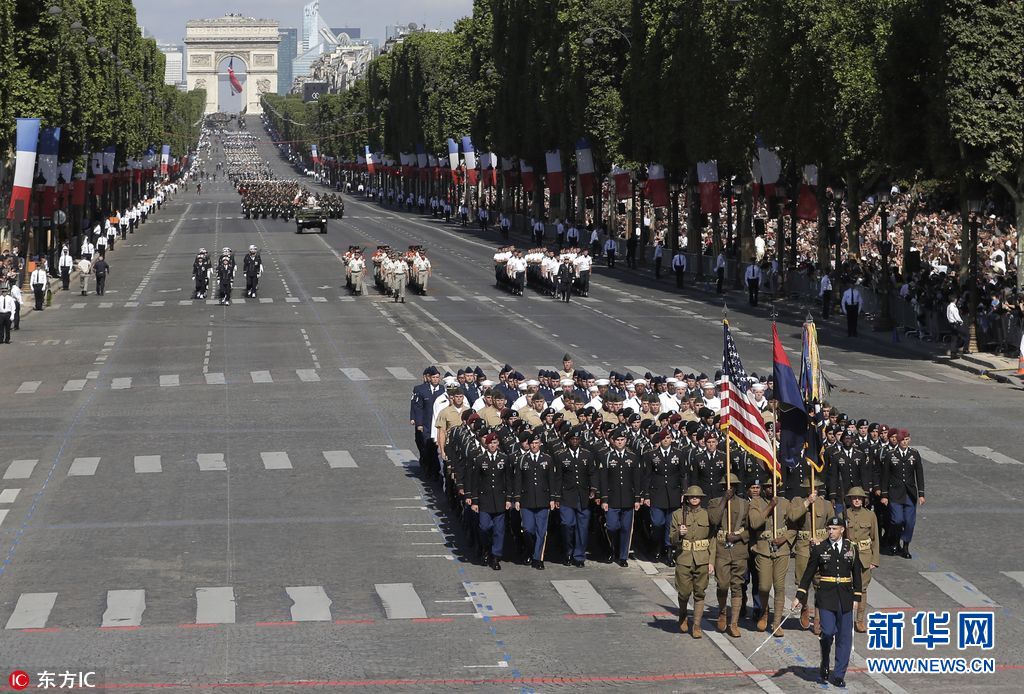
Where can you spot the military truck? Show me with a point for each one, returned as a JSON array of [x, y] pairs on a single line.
[[311, 217]]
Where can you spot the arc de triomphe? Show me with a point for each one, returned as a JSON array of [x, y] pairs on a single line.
[[251, 42]]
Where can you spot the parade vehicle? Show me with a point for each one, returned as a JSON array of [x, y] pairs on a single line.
[[311, 217]]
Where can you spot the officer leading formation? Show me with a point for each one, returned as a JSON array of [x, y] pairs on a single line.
[[576, 468]]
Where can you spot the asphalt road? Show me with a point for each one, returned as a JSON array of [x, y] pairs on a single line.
[[194, 495]]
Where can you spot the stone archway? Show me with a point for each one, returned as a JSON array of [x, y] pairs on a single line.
[[252, 46]]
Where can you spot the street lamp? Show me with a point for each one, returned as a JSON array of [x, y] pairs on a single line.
[[589, 41], [974, 206], [884, 322]]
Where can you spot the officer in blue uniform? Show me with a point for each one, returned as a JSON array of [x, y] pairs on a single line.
[[902, 492], [577, 486], [421, 410], [490, 495], [535, 484], [621, 494], [837, 597]]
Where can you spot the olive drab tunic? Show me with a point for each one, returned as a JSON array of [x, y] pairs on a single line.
[[764, 530], [695, 552]]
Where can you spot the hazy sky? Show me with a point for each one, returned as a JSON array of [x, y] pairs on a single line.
[[165, 19]]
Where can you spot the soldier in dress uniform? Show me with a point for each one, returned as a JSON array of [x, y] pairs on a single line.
[[666, 477], [420, 413], [839, 594], [862, 530], [201, 272], [846, 466], [902, 492], [728, 513], [252, 268], [535, 491], [772, 540], [690, 537], [708, 466], [805, 514], [490, 496], [621, 493], [578, 481]]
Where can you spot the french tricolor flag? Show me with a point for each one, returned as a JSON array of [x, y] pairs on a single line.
[[453, 158], [656, 187], [529, 178], [470, 155], [25, 166], [585, 167], [49, 143], [707, 178], [553, 160], [165, 159]]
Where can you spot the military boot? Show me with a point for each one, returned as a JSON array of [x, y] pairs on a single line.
[[860, 622], [722, 614], [805, 618], [762, 622], [817, 623], [734, 623], [698, 614], [779, 617]]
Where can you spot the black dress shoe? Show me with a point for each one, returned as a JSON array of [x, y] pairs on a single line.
[[838, 682], [538, 564], [495, 564], [623, 563], [568, 561], [905, 551], [578, 563]]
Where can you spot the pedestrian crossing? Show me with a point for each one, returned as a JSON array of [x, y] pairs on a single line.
[[150, 464], [602, 593]]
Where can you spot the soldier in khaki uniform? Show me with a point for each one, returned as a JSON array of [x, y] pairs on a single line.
[[773, 540], [862, 530], [729, 514], [492, 413], [690, 534], [531, 413], [805, 513]]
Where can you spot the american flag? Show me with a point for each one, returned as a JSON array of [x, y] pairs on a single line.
[[742, 419]]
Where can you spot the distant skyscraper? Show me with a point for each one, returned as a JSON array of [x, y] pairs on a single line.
[[353, 32], [287, 50], [174, 65], [314, 29]]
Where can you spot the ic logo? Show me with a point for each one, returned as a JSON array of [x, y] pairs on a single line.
[[19, 680], [315, 96]]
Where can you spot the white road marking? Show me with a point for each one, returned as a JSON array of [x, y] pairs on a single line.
[[336, 459], [122, 383], [402, 457], [490, 599], [307, 375], [83, 467], [882, 598], [994, 456], [261, 377], [401, 373], [932, 457], [276, 460], [871, 374], [7, 496], [20, 469], [355, 374], [28, 387], [211, 461], [400, 601], [214, 379], [582, 597], [961, 590], [75, 384], [169, 381], [309, 604], [215, 605], [919, 377], [31, 611], [124, 608], [147, 463]]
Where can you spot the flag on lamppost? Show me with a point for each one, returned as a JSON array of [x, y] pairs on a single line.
[[765, 169], [24, 168], [470, 155], [622, 179], [49, 143], [585, 166], [553, 161], [529, 178], [656, 188], [165, 159], [807, 202], [707, 178]]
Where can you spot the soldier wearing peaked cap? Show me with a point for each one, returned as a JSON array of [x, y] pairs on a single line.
[[421, 412], [621, 493], [690, 536], [902, 492], [839, 594], [728, 513]]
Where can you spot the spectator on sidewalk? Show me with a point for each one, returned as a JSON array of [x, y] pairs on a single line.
[[609, 250], [679, 267], [720, 266], [659, 252], [960, 335], [825, 292], [753, 277], [851, 303], [39, 281]]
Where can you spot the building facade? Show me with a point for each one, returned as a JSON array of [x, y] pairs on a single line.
[[287, 51], [246, 46]]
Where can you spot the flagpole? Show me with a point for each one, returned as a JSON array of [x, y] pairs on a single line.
[[775, 448], [728, 441]]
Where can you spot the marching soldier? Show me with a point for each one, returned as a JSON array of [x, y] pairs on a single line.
[[837, 597], [201, 273], [845, 470], [252, 268], [577, 486], [535, 494], [729, 514], [862, 530], [621, 494], [690, 535], [489, 494], [804, 515], [773, 540], [225, 275], [666, 476], [356, 269], [902, 492]]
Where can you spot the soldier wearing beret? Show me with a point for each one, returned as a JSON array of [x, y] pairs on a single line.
[[489, 494], [577, 482], [666, 475], [902, 492]]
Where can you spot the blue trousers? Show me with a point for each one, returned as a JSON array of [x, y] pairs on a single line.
[[838, 626], [904, 515], [620, 520], [660, 518], [575, 524], [492, 526], [535, 523]]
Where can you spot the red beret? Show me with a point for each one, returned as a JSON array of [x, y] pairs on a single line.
[[490, 438], [675, 418], [904, 434]]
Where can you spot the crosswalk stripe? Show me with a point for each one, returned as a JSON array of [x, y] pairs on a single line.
[[401, 373], [292, 299], [932, 457], [346, 298], [1017, 576], [75, 384], [28, 387], [266, 300], [402, 457], [214, 379], [882, 598], [169, 381], [307, 375], [871, 374], [135, 304], [336, 459], [994, 456], [961, 590], [309, 604], [20, 469], [215, 605], [3, 514], [157, 303], [260, 377], [211, 461], [400, 601], [355, 374], [276, 460], [490, 599], [582, 598], [122, 383], [669, 590], [78, 305], [483, 298], [319, 299], [31, 611], [973, 380], [147, 463], [83, 467], [185, 302], [124, 608], [428, 298], [833, 376], [456, 298], [7, 496], [919, 377]]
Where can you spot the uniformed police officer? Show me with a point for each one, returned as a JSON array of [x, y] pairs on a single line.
[[728, 513], [690, 536], [534, 485], [577, 480], [862, 530], [490, 495], [838, 596]]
